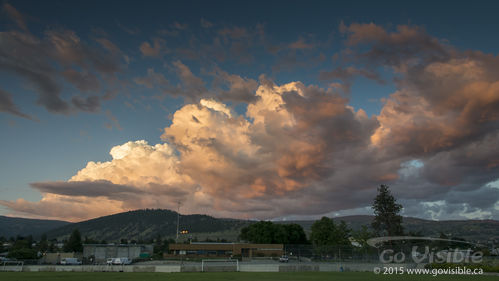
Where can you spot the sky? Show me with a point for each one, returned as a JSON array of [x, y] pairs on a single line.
[[256, 110]]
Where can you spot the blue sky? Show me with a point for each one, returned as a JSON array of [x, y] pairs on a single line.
[[128, 67]]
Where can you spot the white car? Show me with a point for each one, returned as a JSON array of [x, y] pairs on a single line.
[[70, 261], [118, 261], [284, 258], [122, 261]]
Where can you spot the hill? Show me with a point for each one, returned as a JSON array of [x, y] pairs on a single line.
[[11, 227], [474, 230], [147, 224]]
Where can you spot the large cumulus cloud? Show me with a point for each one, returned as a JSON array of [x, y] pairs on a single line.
[[302, 150], [216, 161]]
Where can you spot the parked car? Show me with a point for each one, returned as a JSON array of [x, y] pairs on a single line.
[[118, 261], [284, 258], [70, 261], [122, 261]]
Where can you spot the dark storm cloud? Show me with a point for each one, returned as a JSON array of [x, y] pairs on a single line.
[[84, 188], [37, 60], [303, 150], [26, 56], [346, 74], [395, 48], [443, 113], [107, 189], [89, 104], [83, 81], [7, 105], [224, 86], [231, 87]]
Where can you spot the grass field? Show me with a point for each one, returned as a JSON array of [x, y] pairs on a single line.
[[226, 276]]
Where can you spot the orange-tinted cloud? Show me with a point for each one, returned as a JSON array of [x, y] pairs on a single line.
[[303, 150]]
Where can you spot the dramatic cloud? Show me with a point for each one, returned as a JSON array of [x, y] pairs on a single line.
[[7, 105], [89, 104], [60, 55], [192, 85], [345, 75], [444, 112], [224, 86], [153, 79], [302, 149], [231, 87]]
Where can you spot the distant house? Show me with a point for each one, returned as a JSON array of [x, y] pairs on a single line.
[[202, 249], [99, 253]]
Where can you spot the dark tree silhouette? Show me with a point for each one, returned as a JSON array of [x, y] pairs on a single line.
[[74, 242], [326, 233], [266, 232], [387, 221]]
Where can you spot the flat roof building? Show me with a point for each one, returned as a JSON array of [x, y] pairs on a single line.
[[226, 249], [101, 252], [55, 258]]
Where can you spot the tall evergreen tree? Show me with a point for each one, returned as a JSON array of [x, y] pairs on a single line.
[[387, 221], [44, 244], [74, 242], [158, 246], [2, 240]]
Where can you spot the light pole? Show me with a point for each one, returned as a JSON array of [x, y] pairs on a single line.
[[178, 220]]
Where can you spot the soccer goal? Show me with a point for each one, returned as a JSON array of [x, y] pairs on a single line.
[[220, 265], [12, 265]]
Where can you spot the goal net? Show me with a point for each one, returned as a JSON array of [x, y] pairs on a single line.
[[220, 265], [11, 265]]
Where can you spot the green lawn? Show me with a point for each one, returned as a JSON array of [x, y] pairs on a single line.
[[232, 276]]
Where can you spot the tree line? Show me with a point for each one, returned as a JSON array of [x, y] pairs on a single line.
[[26, 248], [323, 232]]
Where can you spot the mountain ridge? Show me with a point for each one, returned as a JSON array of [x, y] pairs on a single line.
[[14, 226], [146, 224]]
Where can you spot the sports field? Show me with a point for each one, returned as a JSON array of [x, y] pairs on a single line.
[[232, 276]]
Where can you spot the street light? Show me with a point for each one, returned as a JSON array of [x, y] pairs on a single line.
[[178, 220]]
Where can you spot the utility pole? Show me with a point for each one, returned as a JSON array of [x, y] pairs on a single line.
[[178, 220]]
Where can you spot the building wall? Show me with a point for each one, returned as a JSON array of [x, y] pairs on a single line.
[[103, 252], [227, 249], [55, 258]]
